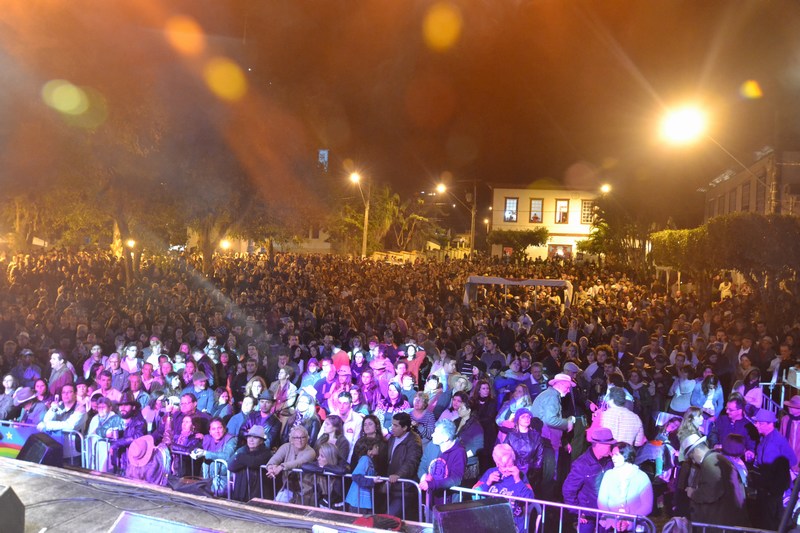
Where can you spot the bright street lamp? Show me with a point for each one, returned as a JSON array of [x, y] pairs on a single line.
[[683, 125], [130, 243], [688, 124], [355, 177], [605, 188]]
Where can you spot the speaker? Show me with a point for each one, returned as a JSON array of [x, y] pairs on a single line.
[[490, 515], [43, 449], [12, 510]]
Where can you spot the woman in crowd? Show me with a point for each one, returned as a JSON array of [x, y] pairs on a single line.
[[624, 489], [284, 391], [183, 444], [222, 406], [506, 479], [707, 395], [520, 399], [319, 488], [289, 456], [359, 497], [175, 385], [470, 433], [255, 387], [681, 390], [40, 387], [333, 433], [484, 406], [357, 405], [305, 414], [422, 420], [527, 445], [370, 390], [371, 428], [394, 403], [246, 464]]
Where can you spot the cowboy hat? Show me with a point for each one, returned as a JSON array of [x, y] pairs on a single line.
[[257, 431], [793, 402], [561, 378], [601, 435], [23, 395], [689, 443], [141, 450]]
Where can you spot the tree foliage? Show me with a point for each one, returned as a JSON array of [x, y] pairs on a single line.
[[519, 241], [765, 249]]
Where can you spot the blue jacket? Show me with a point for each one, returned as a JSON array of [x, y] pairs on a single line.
[[583, 481]]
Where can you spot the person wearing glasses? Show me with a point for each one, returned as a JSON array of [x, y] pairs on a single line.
[[289, 456]]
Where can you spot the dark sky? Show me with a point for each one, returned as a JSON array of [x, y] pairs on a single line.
[[531, 89], [567, 90]]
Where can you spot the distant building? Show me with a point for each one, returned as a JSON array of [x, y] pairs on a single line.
[[770, 184], [566, 213]]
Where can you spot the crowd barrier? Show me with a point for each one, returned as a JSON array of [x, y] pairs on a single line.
[[545, 516], [409, 493], [698, 527], [14, 435]]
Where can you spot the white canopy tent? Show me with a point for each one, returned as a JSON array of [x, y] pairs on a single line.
[[473, 281]]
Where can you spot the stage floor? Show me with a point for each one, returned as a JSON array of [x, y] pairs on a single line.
[[66, 500]]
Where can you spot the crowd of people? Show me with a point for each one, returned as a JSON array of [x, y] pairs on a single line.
[[625, 395]]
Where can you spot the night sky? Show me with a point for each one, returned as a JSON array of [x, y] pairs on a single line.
[[522, 91]]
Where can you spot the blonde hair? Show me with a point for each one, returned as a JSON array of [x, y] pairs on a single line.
[[329, 452]]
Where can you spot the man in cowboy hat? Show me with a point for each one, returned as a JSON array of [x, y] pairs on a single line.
[[265, 418], [32, 411], [147, 462], [134, 427], [583, 481], [550, 423], [774, 458], [716, 493]]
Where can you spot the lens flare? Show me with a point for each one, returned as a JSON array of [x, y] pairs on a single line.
[[225, 79], [442, 26], [185, 35], [751, 90], [65, 97]]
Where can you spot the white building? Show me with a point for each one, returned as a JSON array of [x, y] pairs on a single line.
[[566, 213]]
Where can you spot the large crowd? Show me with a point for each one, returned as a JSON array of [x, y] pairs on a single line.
[[625, 395]]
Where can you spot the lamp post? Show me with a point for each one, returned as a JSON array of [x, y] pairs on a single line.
[[472, 208], [355, 177], [686, 125]]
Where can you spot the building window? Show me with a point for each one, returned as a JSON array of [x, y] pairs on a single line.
[[510, 210], [536, 210], [587, 211], [562, 211], [761, 196], [721, 205], [746, 196], [732, 201]]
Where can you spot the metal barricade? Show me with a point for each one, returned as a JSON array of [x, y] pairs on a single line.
[[230, 478], [698, 527], [331, 479], [182, 459], [93, 444], [546, 511], [14, 435]]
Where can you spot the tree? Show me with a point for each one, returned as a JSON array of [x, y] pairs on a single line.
[[764, 249], [413, 226], [519, 241]]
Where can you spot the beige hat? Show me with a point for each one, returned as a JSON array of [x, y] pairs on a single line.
[[141, 450], [561, 378]]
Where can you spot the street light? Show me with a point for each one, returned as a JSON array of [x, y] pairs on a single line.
[[605, 188], [355, 177], [688, 124], [130, 243], [683, 125], [442, 188]]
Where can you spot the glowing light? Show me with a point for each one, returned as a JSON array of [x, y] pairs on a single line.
[[485, 220], [65, 97], [225, 79], [684, 125], [441, 27], [185, 35], [355, 177], [225, 244], [751, 90], [441, 188], [130, 243], [605, 188]]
